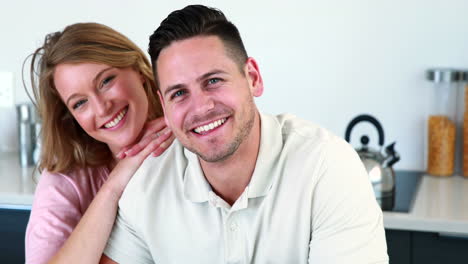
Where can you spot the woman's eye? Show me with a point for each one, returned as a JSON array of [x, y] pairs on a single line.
[[107, 80], [78, 104]]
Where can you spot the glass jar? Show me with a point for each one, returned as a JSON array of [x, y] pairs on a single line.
[[462, 106], [442, 127]]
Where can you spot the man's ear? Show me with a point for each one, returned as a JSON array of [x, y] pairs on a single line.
[[254, 77], [161, 99]]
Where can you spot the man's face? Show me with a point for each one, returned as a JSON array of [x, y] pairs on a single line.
[[207, 99]]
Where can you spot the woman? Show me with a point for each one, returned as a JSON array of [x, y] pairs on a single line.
[[96, 97]]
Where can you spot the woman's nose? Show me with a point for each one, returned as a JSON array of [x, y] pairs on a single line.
[[102, 106]]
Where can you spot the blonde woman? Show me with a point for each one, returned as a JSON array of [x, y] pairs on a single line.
[[101, 118]]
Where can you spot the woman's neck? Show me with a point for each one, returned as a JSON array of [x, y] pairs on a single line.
[[113, 162]]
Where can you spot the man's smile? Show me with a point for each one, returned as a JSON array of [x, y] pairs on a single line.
[[204, 129]]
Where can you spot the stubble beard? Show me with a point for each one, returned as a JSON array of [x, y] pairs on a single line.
[[241, 134]]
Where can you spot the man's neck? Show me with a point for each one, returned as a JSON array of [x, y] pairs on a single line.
[[230, 177]]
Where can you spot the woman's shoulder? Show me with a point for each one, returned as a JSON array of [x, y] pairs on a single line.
[[78, 184], [59, 203], [79, 177]]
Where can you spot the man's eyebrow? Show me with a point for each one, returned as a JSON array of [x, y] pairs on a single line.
[[199, 79], [98, 75], [173, 87], [208, 74]]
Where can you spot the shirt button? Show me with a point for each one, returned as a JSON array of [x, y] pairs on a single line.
[[233, 227]]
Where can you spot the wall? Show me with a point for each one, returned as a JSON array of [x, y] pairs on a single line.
[[325, 61]]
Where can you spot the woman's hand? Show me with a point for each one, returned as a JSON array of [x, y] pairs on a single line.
[[126, 167], [155, 129], [156, 138]]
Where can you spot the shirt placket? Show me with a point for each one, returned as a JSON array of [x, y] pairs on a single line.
[[233, 244]]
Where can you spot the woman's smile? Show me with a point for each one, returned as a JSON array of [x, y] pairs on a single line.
[[118, 120]]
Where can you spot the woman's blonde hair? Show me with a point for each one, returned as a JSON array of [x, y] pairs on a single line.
[[65, 145]]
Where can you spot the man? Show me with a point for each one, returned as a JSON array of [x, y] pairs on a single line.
[[239, 186]]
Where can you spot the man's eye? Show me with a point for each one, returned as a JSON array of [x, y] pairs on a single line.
[[213, 80], [78, 104], [178, 93]]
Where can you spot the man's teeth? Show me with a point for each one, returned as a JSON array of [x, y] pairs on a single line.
[[116, 120], [210, 126]]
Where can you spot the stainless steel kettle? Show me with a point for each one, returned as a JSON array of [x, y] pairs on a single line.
[[377, 164]]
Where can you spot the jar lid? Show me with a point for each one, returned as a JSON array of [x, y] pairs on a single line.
[[443, 75], [464, 75]]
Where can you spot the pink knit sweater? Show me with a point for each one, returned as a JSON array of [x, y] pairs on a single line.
[[59, 203]]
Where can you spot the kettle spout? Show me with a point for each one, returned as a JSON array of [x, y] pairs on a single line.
[[394, 160], [392, 156]]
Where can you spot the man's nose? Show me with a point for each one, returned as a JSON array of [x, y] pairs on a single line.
[[202, 102]]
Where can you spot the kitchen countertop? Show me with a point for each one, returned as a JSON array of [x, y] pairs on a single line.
[[17, 184], [440, 204]]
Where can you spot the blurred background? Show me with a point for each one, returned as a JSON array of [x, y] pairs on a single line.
[[325, 61]]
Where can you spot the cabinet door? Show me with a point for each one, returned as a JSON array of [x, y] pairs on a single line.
[[431, 248], [12, 229], [398, 246]]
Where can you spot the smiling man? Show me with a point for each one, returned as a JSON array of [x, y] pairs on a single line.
[[239, 186]]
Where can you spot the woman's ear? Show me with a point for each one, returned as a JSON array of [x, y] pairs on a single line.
[[254, 77], [142, 78]]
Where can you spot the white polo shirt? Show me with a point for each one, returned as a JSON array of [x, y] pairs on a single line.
[[309, 201]]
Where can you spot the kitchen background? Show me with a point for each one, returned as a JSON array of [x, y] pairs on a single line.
[[325, 61]]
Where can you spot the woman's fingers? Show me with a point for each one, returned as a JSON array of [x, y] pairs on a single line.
[[155, 146], [158, 138], [156, 127], [153, 126], [163, 146]]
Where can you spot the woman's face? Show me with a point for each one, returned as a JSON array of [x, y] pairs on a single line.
[[109, 103]]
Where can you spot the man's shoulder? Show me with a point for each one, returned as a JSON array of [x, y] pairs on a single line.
[[157, 172], [306, 139], [307, 131]]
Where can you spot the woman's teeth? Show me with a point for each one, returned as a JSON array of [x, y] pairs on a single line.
[[116, 120], [210, 126]]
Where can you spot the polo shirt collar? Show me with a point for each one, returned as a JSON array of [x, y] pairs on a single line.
[[197, 188], [271, 144]]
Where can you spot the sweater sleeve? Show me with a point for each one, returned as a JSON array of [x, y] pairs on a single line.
[[55, 212]]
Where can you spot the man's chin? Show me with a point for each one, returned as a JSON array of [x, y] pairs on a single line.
[[215, 156]]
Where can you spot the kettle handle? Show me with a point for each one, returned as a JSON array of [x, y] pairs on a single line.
[[368, 118]]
